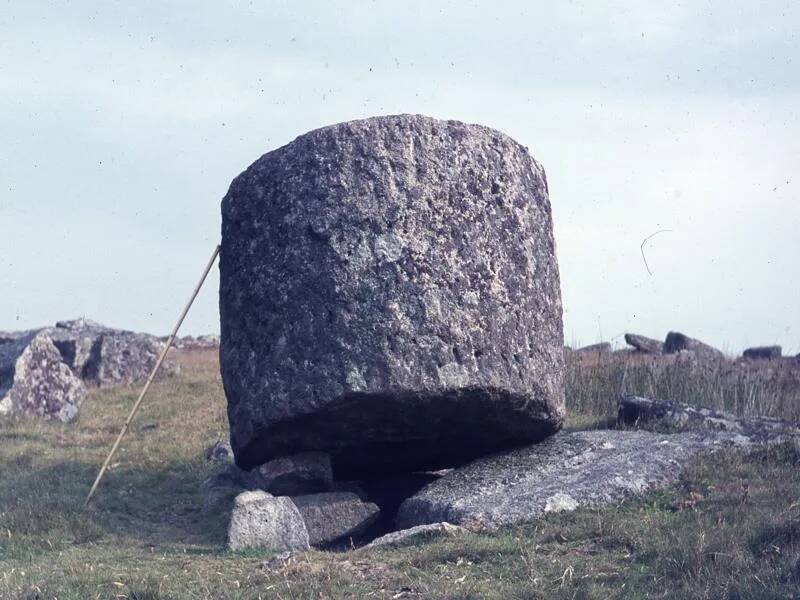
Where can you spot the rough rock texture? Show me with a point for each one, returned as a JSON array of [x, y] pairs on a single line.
[[35, 381], [665, 414], [763, 352], [564, 472], [415, 534], [220, 489], [262, 521], [220, 452], [304, 473], [335, 516], [678, 342], [600, 348], [100, 355], [389, 294], [643, 344]]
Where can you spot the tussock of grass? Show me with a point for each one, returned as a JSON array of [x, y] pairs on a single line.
[[730, 529]]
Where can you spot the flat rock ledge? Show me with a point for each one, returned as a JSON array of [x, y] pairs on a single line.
[[562, 473], [675, 416]]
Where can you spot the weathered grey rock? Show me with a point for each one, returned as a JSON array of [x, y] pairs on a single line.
[[122, 357], [335, 516], [35, 381], [389, 294], [415, 535], [676, 416], [643, 344], [100, 355], [564, 472], [304, 473], [677, 342], [220, 451], [263, 521], [768, 352], [599, 348]]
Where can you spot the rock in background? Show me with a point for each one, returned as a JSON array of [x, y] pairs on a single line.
[[768, 352], [43, 372], [599, 348], [389, 294], [665, 414], [643, 344], [35, 381], [103, 356], [677, 342]]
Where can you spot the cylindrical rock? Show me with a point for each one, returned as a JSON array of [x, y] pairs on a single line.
[[389, 294]]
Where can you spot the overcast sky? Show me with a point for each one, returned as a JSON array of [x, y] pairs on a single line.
[[123, 123]]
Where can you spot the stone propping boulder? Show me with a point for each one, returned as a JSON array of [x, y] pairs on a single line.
[[44, 372], [35, 381], [389, 294]]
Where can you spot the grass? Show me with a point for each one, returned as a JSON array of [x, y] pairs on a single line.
[[745, 388], [730, 529]]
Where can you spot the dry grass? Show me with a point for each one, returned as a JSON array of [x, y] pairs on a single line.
[[742, 387], [730, 530]]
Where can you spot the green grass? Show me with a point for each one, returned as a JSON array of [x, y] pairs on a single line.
[[730, 529]]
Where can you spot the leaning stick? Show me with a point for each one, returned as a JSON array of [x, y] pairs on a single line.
[[152, 376]]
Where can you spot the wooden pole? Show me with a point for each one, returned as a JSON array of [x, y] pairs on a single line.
[[152, 376]]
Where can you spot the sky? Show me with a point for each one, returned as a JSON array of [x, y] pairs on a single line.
[[122, 125]]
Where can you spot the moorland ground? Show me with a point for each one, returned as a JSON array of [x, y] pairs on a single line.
[[729, 529]]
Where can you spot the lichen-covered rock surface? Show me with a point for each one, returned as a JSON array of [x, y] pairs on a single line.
[[564, 472], [648, 413], [35, 381], [389, 294], [102, 355], [260, 520]]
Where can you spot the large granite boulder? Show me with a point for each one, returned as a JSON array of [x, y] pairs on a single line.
[[563, 473], [34, 380], [389, 294]]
